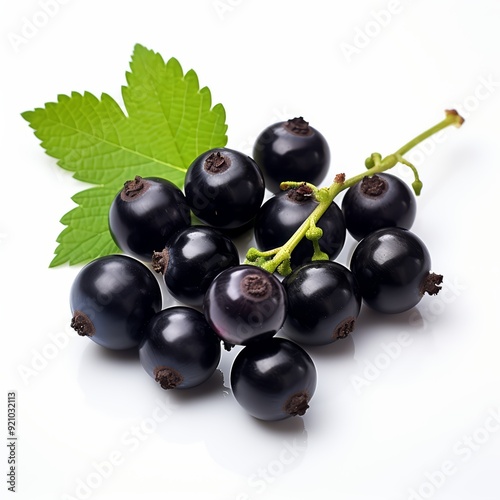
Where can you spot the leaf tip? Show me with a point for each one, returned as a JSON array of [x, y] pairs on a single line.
[[27, 115], [57, 261], [142, 52], [139, 47]]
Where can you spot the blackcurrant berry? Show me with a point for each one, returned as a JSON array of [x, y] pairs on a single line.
[[273, 379], [112, 298], [382, 200], [145, 214], [179, 349], [192, 258], [224, 188], [323, 303], [281, 215], [245, 303], [291, 151], [392, 268]]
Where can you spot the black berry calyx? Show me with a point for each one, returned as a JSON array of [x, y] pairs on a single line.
[[344, 329], [134, 189], [216, 163], [168, 378], [300, 194], [298, 126], [297, 404], [82, 324], [256, 287], [159, 261], [227, 345], [373, 186], [432, 284], [339, 178]]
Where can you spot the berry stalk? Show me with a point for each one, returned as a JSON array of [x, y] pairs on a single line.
[[278, 259]]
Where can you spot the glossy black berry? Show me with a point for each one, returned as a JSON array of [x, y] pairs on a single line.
[[273, 379], [323, 303], [291, 151], [192, 258], [112, 298], [224, 188], [281, 215], [392, 267], [179, 350], [244, 304], [382, 200], [145, 214]]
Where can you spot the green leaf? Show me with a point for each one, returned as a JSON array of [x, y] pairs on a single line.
[[86, 236], [169, 121]]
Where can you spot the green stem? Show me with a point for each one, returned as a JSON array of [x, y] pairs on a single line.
[[326, 196], [452, 118]]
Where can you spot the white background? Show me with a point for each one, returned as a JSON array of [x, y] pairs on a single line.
[[423, 422]]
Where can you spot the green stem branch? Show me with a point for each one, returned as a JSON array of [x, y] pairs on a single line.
[[271, 260]]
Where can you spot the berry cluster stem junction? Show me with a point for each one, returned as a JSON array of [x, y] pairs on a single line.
[[278, 259]]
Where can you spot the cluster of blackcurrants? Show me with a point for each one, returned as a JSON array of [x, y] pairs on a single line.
[[116, 300]]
